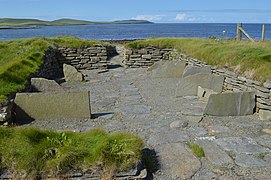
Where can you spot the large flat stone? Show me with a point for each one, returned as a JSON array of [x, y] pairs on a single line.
[[169, 69], [214, 154], [231, 104], [249, 161], [41, 106], [188, 86], [240, 145], [191, 70], [71, 74], [178, 161], [44, 85]]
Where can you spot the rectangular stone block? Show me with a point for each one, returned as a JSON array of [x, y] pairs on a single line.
[[40, 106], [231, 104]]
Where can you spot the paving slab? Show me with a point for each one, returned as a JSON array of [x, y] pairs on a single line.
[[240, 145], [178, 161], [250, 161], [214, 154]]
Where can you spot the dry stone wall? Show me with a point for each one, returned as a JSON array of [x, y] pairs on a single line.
[[87, 58], [238, 83], [146, 57]]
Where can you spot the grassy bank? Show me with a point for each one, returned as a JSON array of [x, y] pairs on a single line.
[[39, 153], [21, 58], [251, 58]]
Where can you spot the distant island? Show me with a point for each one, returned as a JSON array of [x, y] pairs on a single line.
[[10, 23]]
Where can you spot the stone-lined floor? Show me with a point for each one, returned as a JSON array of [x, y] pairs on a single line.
[[131, 100]]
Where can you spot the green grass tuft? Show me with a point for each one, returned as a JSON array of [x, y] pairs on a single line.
[[198, 151], [38, 152]]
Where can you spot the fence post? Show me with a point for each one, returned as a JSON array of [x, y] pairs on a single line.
[[263, 32], [239, 34]]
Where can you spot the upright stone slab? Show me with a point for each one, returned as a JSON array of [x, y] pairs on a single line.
[[188, 86], [44, 85], [169, 69], [231, 104], [40, 106], [191, 70], [71, 74]]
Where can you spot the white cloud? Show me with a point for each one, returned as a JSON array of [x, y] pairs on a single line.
[[149, 17], [181, 17]]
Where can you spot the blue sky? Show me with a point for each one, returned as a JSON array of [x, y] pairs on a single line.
[[166, 11]]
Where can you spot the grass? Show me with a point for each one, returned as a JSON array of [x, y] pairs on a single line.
[[38, 153], [250, 58], [198, 151], [21, 58]]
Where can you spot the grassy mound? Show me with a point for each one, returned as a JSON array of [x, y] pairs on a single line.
[[251, 58], [37, 153], [21, 58]]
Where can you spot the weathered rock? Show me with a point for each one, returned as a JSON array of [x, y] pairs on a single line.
[[214, 154], [44, 85], [240, 145], [71, 74], [169, 69], [41, 106], [179, 124], [267, 131], [191, 70], [231, 104], [264, 114], [245, 160], [178, 161], [188, 86]]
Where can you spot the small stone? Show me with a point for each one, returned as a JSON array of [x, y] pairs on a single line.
[[179, 124], [217, 171], [264, 114], [267, 131]]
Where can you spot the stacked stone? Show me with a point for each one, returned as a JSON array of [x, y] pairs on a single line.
[[84, 58], [146, 57]]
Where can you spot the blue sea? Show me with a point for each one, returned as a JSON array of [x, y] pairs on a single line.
[[137, 31]]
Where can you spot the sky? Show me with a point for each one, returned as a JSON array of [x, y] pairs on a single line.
[[158, 11]]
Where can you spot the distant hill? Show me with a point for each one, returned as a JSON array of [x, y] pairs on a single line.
[[11, 23]]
